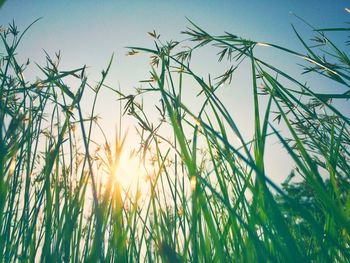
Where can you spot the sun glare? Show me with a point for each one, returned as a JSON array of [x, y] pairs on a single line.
[[129, 173]]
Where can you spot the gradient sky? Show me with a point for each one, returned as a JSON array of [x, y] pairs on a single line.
[[88, 32]]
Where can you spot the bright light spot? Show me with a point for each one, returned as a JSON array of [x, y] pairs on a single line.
[[198, 122], [262, 44], [193, 183], [129, 173], [12, 165]]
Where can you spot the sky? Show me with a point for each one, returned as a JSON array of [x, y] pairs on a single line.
[[89, 32]]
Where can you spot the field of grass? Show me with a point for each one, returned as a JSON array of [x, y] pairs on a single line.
[[206, 196]]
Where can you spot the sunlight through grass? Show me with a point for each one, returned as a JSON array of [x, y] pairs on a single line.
[[196, 189]]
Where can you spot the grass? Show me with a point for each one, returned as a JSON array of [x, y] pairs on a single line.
[[209, 197]]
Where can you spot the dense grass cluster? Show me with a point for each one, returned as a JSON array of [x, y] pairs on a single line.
[[208, 198]]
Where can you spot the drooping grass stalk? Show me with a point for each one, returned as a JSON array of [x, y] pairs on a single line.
[[278, 235]]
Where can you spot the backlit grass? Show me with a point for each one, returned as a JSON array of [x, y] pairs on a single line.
[[201, 193]]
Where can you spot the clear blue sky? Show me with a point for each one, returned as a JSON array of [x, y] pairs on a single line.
[[88, 32]]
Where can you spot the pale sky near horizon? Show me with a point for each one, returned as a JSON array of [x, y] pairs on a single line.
[[89, 32]]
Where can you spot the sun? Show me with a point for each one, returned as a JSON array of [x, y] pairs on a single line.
[[129, 173]]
